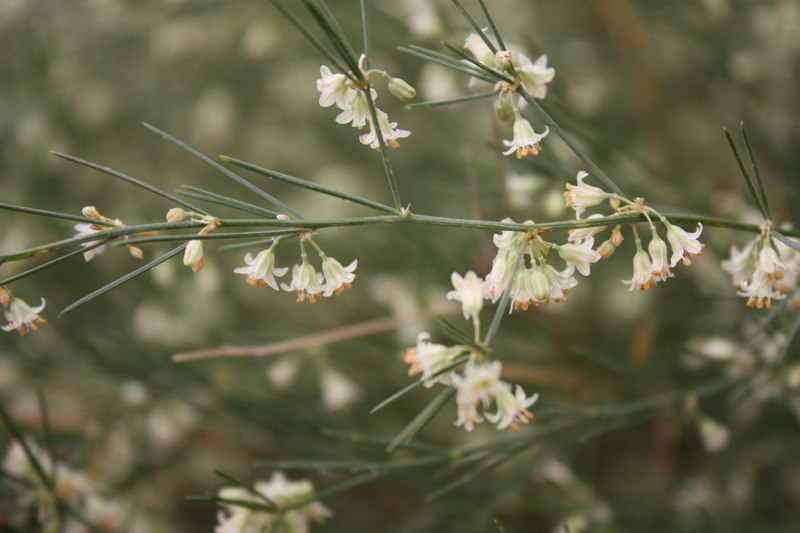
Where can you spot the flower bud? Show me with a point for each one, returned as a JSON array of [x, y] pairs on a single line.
[[606, 249], [614, 203], [136, 252], [401, 90], [5, 298], [193, 256], [616, 236], [176, 214], [504, 109], [90, 212], [502, 59], [283, 217]]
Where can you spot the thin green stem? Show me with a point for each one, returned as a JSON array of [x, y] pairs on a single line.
[[746, 175], [387, 165], [450, 101], [365, 29], [757, 172], [447, 61], [53, 214]]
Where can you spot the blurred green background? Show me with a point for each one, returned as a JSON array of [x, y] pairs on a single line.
[[645, 87]]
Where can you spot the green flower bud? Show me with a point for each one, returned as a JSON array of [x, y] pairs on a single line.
[[401, 90]]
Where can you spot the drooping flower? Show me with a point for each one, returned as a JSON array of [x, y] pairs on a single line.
[[333, 88], [356, 108], [511, 408], [337, 277], [525, 141], [535, 76], [261, 271], [306, 281], [479, 49], [388, 130], [683, 243], [468, 291], [761, 272], [476, 387], [659, 267], [642, 271], [580, 234], [580, 256], [429, 359], [581, 196], [21, 316], [540, 284]]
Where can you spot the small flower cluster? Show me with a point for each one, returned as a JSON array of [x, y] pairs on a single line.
[[193, 256], [478, 386], [21, 316], [537, 282], [532, 77], [91, 229], [765, 269], [340, 90], [649, 266], [281, 492], [308, 283]]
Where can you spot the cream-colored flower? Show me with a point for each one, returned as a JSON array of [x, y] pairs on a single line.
[[535, 76], [581, 234], [306, 281], [89, 229], [193, 255], [333, 88], [388, 130], [468, 291], [659, 266], [580, 256], [22, 317], [261, 271], [479, 49], [429, 359], [642, 271], [337, 277], [356, 109], [525, 141], [511, 408], [683, 243], [581, 196], [476, 387], [338, 391]]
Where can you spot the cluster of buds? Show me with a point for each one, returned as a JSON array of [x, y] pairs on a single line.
[[649, 266], [91, 229], [535, 281], [21, 316], [308, 283], [478, 384], [532, 77], [279, 491], [341, 91], [765, 269]]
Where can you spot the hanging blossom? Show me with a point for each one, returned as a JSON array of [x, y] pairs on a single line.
[[765, 269], [311, 284], [525, 141], [193, 256], [337, 277], [539, 283], [21, 316], [581, 196], [344, 93], [468, 291], [280, 491], [261, 271], [479, 387]]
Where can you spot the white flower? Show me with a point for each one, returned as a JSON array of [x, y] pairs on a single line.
[[580, 256], [525, 139], [534, 76], [261, 271], [193, 256], [338, 391], [333, 87], [714, 435], [761, 272], [511, 408], [306, 281], [759, 290], [89, 229], [388, 131], [282, 373], [683, 243], [337, 277], [581, 196], [642, 272], [430, 359], [581, 234], [741, 265], [21, 316], [658, 253], [479, 49], [540, 284], [356, 108], [476, 387], [468, 291], [283, 493]]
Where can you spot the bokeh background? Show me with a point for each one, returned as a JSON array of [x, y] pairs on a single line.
[[645, 87]]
